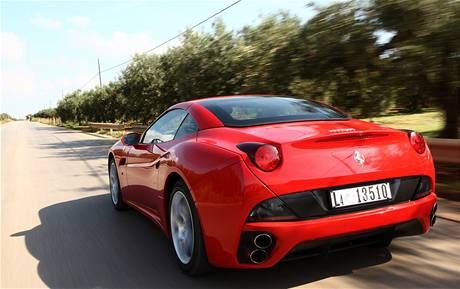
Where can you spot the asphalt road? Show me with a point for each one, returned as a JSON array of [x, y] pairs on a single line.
[[59, 230]]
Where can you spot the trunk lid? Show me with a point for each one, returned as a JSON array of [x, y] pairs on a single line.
[[321, 154]]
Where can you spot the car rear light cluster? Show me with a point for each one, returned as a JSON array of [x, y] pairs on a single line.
[[266, 157], [271, 210], [416, 140], [424, 188]]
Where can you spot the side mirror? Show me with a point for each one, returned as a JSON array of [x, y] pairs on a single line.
[[131, 138], [156, 141]]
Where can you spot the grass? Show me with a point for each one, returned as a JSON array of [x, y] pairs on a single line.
[[82, 127], [71, 125], [427, 123], [74, 125], [2, 121], [113, 133]]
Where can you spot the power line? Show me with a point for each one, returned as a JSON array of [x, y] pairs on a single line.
[[87, 82], [170, 39]]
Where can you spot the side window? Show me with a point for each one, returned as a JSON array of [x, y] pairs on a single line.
[[188, 126], [165, 127]]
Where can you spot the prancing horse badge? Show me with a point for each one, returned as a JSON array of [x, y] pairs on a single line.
[[359, 158]]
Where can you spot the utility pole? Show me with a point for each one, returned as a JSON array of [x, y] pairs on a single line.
[[99, 68]]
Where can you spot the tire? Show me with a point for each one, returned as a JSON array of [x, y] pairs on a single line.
[[186, 236], [115, 191]]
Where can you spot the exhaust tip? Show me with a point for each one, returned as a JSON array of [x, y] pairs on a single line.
[[258, 256], [263, 241]]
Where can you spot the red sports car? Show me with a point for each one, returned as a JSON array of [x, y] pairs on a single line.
[[248, 181]]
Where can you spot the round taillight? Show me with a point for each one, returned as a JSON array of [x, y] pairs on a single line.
[[267, 157], [418, 142]]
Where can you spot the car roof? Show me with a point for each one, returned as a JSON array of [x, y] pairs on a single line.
[[218, 98], [199, 108], [204, 118]]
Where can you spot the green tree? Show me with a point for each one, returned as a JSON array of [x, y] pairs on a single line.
[[206, 64], [67, 107], [339, 61], [46, 113], [4, 116], [425, 53], [140, 94], [268, 55]]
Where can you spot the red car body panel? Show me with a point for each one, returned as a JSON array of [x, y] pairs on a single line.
[[343, 224], [226, 185], [315, 158]]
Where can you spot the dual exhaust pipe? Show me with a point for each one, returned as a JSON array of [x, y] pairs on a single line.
[[262, 242]]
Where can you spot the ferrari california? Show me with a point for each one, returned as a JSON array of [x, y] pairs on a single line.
[[249, 181]]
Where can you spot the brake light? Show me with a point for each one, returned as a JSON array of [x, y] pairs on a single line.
[[417, 141], [265, 156]]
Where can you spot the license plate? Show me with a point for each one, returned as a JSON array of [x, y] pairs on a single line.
[[360, 195]]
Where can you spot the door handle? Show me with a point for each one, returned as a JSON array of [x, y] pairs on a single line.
[[165, 155]]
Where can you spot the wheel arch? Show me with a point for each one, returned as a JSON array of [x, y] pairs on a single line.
[[110, 157], [171, 180]]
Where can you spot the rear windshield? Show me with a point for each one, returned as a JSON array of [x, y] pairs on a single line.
[[259, 110]]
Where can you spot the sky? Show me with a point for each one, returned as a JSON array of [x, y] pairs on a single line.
[[50, 48]]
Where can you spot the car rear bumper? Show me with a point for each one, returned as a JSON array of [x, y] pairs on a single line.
[[290, 238]]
